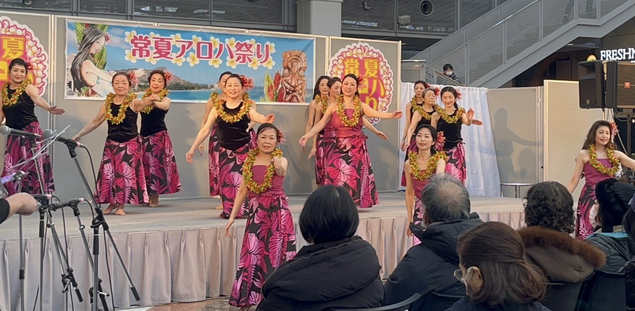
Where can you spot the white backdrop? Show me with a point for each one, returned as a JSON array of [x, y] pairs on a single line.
[[482, 169]]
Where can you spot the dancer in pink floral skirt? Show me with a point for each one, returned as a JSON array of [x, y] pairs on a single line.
[[348, 163], [233, 116], [448, 121], [121, 177], [598, 160], [18, 99], [214, 171], [269, 237], [419, 168], [161, 174]]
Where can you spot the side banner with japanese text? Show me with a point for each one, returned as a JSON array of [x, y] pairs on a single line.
[[282, 68], [370, 63], [19, 41]]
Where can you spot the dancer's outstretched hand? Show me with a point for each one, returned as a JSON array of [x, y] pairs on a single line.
[[396, 114], [270, 118], [477, 122], [55, 110], [303, 140], [382, 135], [189, 155], [276, 161], [229, 224], [312, 153]]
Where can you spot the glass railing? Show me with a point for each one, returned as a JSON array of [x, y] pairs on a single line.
[[473, 58]]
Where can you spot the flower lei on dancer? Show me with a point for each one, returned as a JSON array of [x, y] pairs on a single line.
[[8, 101], [430, 168], [121, 115]]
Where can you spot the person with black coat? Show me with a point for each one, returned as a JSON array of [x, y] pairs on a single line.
[[629, 268], [428, 267], [338, 269]]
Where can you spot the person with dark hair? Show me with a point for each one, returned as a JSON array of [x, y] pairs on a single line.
[[419, 168], [337, 269], [233, 115], [629, 268], [348, 163], [269, 226], [84, 72], [314, 113], [161, 173], [613, 199], [495, 272], [598, 160], [214, 170], [448, 70], [419, 102], [427, 268], [121, 177], [420, 114], [18, 98], [448, 121], [550, 220]]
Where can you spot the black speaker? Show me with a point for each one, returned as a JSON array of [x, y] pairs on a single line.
[[620, 85], [591, 84]]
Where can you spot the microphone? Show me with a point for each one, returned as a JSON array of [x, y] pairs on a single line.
[[12, 177], [48, 133], [42, 197], [54, 206], [5, 130]]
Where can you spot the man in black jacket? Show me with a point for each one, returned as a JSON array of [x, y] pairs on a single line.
[[429, 266]]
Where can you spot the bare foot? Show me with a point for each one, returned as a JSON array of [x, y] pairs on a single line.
[[110, 208], [154, 200], [120, 211], [219, 207]]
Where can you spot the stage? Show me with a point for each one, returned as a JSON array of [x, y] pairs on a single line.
[[179, 252]]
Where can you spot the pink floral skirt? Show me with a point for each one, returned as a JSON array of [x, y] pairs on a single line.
[[455, 165], [159, 163], [231, 176], [121, 178], [269, 242], [214, 171], [347, 164], [18, 150]]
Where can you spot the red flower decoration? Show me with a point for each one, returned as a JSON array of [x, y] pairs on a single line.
[[29, 66], [614, 129], [134, 81], [168, 76], [437, 91], [458, 94], [107, 37], [360, 80], [282, 137], [248, 83]]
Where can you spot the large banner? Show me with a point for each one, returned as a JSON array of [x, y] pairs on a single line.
[[364, 60], [282, 68], [19, 41]]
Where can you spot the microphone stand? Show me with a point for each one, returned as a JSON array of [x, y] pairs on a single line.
[[97, 222], [17, 179]]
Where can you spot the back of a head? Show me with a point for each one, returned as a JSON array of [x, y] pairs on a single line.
[[613, 198], [550, 205], [329, 214], [445, 198], [498, 251]]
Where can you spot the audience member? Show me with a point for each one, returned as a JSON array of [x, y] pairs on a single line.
[[338, 269], [448, 70], [20, 203], [428, 267], [629, 268], [495, 272], [550, 220], [613, 199]]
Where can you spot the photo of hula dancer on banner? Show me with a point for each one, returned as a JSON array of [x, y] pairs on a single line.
[[282, 68]]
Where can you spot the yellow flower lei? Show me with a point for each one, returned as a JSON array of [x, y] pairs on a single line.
[[8, 102], [430, 169], [248, 174], [448, 119], [162, 94], [235, 118], [341, 111], [122, 109], [593, 161], [214, 96], [424, 114], [324, 101]]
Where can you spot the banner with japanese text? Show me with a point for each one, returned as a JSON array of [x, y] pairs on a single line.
[[19, 41], [282, 69], [368, 62]]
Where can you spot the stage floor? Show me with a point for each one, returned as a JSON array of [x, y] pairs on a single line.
[[179, 252], [177, 214]]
